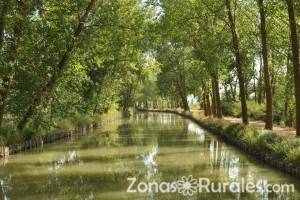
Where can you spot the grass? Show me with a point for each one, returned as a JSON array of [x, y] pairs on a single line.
[[281, 148]]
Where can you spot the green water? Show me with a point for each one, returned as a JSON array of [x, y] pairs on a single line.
[[151, 147]]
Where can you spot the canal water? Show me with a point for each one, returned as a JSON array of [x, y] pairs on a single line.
[[150, 156]]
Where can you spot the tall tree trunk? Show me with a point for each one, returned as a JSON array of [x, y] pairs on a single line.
[[3, 14], [226, 92], [185, 104], [254, 83], [289, 91], [239, 62], [204, 105], [296, 63], [218, 98], [182, 94], [268, 88], [182, 91], [233, 91], [213, 98], [12, 58], [260, 86], [208, 103], [43, 95]]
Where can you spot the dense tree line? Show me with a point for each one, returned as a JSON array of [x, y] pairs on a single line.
[[64, 58], [61, 59], [232, 51]]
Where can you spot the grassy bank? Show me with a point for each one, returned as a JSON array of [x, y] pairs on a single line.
[[266, 142], [280, 152], [9, 136]]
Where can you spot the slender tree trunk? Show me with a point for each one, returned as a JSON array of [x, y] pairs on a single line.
[[239, 62], [289, 88], [204, 104], [246, 91], [218, 98], [181, 87], [183, 96], [213, 98], [44, 93], [185, 104], [260, 87], [3, 14], [296, 63], [254, 83], [289, 92], [268, 88], [233, 91], [254, 89], [226, 92], [208, 104]]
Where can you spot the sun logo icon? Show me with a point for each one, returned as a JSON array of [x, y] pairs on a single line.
[[187, 186]]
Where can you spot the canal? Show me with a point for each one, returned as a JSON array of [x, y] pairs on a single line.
[[149, 156]]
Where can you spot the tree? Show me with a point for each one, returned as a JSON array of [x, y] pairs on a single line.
[[46, 90], [296, 63], [238, 60], [12, 55], [268, 89]]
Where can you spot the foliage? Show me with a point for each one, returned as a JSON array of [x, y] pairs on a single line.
[[255, 111]]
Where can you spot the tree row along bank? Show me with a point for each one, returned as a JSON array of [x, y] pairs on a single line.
[[63, 59]]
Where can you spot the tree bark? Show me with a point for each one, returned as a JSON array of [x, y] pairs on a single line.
[[208, 104], [260, 86], [213, 98], [204, 105], [182, 90], [185, 104], [43, 95], [289, 91], [218, 98], [296, 63], [268, 87], [254, 83], [239, 62], [233, 90]]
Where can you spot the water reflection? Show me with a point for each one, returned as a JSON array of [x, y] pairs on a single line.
[[70, 159], [4, 184], [149, 146], [194, 128], [150, 162]]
